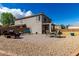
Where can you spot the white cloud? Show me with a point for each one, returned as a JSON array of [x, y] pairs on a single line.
[[29, 13], [18, 13]]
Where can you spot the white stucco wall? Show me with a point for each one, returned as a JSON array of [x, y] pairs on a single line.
[[73, 27], [33, 22]]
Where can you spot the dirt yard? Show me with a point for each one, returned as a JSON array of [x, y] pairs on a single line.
[[39, 45]]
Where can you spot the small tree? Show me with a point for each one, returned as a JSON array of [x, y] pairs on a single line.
[[7, 19], [67, 26], [62, 26]]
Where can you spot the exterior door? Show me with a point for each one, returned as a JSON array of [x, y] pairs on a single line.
[[45, 29]]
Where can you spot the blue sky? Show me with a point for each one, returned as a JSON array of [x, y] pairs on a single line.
[[60, 13]]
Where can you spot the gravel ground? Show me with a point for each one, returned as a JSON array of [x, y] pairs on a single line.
[[36, 45]]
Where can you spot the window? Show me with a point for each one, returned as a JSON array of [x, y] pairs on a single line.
[[39, 18], [44, 20]]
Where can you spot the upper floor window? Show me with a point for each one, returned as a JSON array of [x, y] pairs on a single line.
[[46, 20]]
